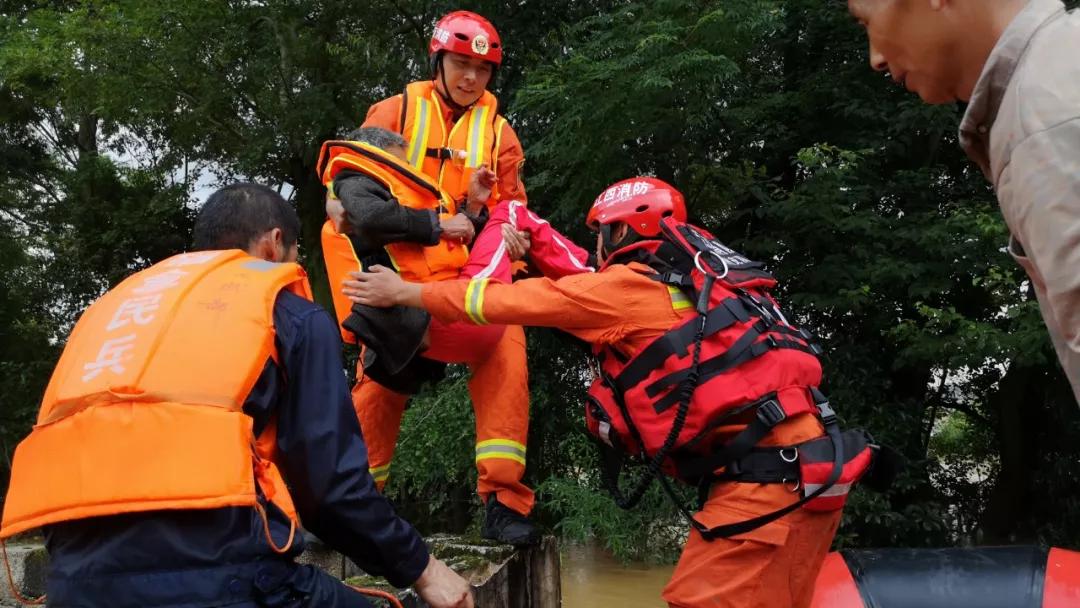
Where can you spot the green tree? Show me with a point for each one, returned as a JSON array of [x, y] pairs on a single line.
[[78, 211], [886, 239]]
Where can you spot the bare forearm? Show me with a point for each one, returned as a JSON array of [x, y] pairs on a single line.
[[412, 295]]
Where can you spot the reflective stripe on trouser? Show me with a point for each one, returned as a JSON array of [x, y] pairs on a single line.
[[774, 566], [500, 393], [379, 410], [507, 449], [380, 474]]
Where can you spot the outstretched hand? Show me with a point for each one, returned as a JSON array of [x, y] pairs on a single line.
[[381, 287], [441, 587]]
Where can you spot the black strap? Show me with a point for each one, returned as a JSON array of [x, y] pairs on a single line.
[[404, 110], [675, 279], [742, 527], [769, 414], [734, 352], [611, 469], [732, 359], [493, 153], [440, 153], [678, 341], [764, 465], [685, 390], [618, 355], [734, 267]]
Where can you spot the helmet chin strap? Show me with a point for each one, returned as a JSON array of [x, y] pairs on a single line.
[[607, 243]]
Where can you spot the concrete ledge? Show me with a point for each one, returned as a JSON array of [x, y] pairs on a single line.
[[501, 576], [29, 566]]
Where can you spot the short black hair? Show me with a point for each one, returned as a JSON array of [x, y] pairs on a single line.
[[236, 215], [376, 136]]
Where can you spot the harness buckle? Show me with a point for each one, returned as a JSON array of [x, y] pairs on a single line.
[[770, 413], [763, 310], [827, 413], [442, 153]]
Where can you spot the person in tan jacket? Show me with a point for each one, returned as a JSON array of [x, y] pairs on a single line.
[[1017, 64]]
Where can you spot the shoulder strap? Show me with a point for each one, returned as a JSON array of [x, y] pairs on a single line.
[[710, 256], [404, 110]]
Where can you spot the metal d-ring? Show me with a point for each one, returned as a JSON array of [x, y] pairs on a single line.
[[697, 264], [798, 484], [794, 455]]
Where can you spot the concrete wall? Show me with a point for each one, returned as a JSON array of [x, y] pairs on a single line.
[[501, 576], [29, 564]]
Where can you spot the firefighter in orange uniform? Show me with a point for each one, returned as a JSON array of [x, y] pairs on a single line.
[[451, 122], [701, 375], [197, 414], [453, 129]]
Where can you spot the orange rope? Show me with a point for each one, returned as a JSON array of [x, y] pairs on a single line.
[[292, 532], [11, 582], [380, 594], [266, 529]]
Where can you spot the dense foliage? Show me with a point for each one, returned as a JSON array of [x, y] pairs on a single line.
[[117, 117]]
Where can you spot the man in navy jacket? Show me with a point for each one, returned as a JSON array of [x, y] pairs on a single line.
[[221, 557]]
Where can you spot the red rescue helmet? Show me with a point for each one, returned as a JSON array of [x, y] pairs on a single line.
[[466, 33], [640, 203]]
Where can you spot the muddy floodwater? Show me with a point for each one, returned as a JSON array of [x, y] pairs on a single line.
[[591, 578]]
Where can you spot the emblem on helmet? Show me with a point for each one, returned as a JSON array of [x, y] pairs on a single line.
[[480, 44]]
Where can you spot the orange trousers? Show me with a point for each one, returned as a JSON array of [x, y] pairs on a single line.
[[774, 566], [499, 388]]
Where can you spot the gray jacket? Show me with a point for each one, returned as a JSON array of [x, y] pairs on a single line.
[[1023, 128]]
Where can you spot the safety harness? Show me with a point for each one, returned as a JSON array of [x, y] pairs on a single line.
[[663, 406]]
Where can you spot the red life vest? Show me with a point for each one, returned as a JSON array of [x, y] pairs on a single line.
[[732, 354], [748, 350]]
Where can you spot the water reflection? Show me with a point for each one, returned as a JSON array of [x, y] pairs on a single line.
[[591, 578]]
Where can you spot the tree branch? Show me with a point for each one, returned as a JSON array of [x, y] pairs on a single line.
[[967, 411], [417, 25], [181, 92], [21, 220], [284, 63], [934, 409]]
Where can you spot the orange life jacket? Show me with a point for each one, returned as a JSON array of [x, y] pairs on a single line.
[[144, 409], [414, 262], [450, 154]]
